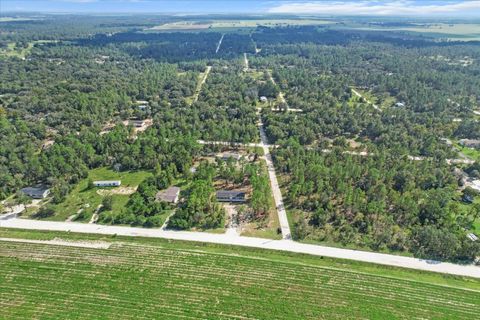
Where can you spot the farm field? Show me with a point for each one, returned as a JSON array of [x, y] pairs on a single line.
[[228, 24], [183, 280], [457, 32], [88, 199]]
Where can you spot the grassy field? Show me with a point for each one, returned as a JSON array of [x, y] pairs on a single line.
[[229, 24], [81, 196], [458, 32], [473, 154], [159, 279], [13, 51], [385, 103]]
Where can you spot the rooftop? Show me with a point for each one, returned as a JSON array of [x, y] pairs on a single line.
[[168, 195]]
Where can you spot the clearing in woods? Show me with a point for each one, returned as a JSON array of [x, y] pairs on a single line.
[[138, 278]]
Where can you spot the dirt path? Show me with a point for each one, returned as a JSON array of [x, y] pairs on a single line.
[[277, 194], [200, 85], [232, 228], [219, 43], [368, 101], [283, 245]]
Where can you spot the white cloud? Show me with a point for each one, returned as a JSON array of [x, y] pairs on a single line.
[[399, 7]]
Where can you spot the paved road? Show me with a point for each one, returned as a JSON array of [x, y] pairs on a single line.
[[283, 245], [277, 194]]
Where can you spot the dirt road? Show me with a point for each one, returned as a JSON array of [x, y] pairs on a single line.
[[277, 194]]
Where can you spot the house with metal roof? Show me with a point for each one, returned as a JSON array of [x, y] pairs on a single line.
[[107, 183], [229, 155], [37, 192], [231, 196]]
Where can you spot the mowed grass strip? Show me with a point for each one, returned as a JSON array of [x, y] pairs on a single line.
[[140, 281]]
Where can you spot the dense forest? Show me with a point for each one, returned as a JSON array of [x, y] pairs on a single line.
[[364, 138]]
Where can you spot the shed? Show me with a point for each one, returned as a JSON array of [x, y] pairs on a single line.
[[231, 196]]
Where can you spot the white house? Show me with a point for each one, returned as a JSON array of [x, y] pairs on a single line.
[[107, 183]]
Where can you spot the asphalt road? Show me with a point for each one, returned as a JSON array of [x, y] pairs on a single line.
[[229, 239]]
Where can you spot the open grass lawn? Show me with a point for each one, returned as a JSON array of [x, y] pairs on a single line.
[[473, 154], [88, 199], [386, 102], [13, 51], [138, 278], [464, 208], [456, 31]]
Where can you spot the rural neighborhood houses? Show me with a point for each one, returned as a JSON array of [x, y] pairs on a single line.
[[37, 192]]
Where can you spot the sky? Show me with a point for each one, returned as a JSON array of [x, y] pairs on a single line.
[[450, 8]]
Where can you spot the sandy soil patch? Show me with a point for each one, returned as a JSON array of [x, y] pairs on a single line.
[[61, 242], [120, 191]]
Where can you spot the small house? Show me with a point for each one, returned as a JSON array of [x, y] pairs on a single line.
[[472, 237], [229, 155], [169, 195], [37, 192], [107, 183], [137, 123], [231, 196], [470, 143], [263, 99]]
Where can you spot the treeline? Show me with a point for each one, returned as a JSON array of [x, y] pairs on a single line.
[[380, 202], [201, 209], [69, 158], [226, 106], [163, 46]]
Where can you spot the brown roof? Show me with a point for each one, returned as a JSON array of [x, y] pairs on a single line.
[[168, 195]]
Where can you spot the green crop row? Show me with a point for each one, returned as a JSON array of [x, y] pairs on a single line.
[[151, 282]]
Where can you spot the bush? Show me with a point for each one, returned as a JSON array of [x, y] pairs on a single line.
[[44, 212]]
